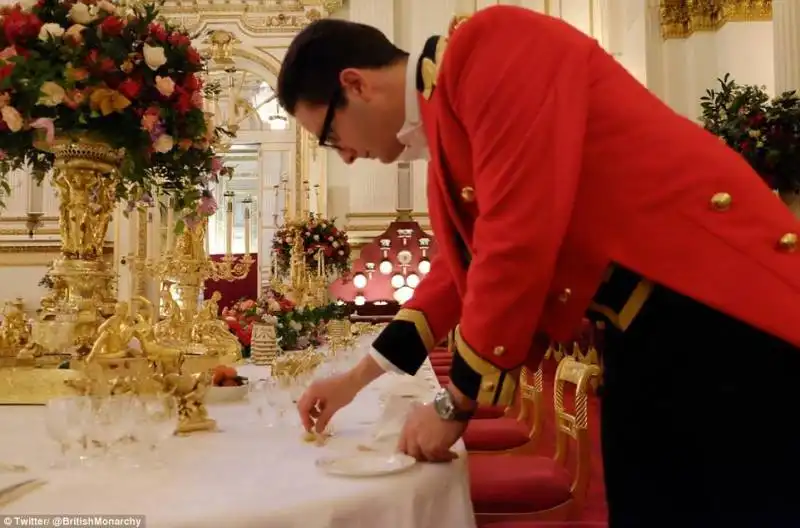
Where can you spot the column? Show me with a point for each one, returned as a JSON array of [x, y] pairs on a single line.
[[420, 20], [125, 257], [370, 185], [271, 167], [786, 44]]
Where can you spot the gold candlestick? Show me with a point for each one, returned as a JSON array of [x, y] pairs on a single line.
[[229, 223]]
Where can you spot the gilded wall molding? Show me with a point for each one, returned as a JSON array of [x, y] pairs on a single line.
[[682, 18], [271, 17]]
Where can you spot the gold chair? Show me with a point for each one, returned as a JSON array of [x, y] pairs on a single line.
[[506, 434], [537, 488]]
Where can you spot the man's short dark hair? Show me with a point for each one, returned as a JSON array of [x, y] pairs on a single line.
[[318, 54]]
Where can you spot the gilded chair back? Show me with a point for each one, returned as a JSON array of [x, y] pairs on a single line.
[[572, 428], [531, 389]]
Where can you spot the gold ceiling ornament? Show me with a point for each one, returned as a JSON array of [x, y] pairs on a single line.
[[682, 18], [270, 16]]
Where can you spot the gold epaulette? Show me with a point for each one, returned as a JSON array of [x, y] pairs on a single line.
[[456, 21]]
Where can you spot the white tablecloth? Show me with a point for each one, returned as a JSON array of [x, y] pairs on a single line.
[[245, 476]]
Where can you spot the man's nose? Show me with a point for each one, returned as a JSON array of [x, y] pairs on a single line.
[[347, 155]]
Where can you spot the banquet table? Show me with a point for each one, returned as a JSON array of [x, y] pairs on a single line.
[[247, 474]]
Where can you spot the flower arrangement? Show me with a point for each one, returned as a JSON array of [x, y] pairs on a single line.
[[91, 68], [765, 130], [296, 327], [240, 318], [321, 239]]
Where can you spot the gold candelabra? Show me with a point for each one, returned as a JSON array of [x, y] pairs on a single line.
[[303, 286]]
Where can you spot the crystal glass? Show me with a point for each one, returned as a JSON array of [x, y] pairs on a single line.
[[66, 422], [159, 421]]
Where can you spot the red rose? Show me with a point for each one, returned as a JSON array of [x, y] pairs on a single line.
[[112, 26], [178, 39], [193, 57], [157, 31], [130, 88], [184, 102], [19, 26], [6, 70], [107, 65], [191, 83]]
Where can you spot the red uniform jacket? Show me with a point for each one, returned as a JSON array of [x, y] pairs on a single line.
[[551, 163]]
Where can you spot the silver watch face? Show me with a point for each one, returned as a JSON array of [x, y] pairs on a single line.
[[443, 403]]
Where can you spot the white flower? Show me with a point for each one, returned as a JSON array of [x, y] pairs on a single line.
[[154, 56], [164, 143], [50, 31], [107, 6], [316, 238], [296, 326], [82, 14], [335, 244]]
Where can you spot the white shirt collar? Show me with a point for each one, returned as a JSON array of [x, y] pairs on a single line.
[[412, 135]]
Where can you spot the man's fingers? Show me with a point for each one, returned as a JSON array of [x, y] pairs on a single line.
[[307, 407], [324, 417], [442, 455]]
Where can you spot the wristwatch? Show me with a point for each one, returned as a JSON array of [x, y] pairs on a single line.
[[446, 408]]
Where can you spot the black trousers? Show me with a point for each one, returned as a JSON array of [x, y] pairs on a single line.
[[699, 421]]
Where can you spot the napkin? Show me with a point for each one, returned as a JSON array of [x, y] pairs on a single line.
[[393, 417], [402, 394]]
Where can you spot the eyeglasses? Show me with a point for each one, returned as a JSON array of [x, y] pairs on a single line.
[[324, 136]]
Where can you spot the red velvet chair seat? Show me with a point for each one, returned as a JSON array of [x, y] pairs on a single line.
[[444, 381], [490, 411], [441, 370], [539, 524], [441, 361], [497, 434], [517, 483]]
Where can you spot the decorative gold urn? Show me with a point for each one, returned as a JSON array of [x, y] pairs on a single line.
[[86, 175]]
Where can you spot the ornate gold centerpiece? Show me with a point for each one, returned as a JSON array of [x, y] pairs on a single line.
[[188, 325], [86, 176]]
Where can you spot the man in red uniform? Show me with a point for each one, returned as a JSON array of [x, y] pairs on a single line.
[[557, 185]]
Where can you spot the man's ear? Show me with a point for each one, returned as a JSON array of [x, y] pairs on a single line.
[[354, 83]]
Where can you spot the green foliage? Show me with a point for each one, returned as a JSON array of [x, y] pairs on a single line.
[[764, 130]]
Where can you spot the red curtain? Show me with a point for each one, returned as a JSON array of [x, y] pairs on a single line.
[[234, 290]]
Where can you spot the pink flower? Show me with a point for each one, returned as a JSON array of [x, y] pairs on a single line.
[[216, 164], [46, 124], [207, 206], [7, 53]]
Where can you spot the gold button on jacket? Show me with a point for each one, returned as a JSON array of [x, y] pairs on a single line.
[[788, 242], [721, 201], [468, 194]]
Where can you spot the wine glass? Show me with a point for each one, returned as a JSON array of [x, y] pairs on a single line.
[[159, 422], [65, 420]]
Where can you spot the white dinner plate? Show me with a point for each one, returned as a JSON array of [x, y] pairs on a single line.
[[366, 464]]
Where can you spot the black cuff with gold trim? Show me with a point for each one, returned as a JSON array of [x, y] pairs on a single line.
[[406, 341], [480, 380]]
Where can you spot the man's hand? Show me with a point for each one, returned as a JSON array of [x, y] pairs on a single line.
[[427, 437], [323, 398]]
